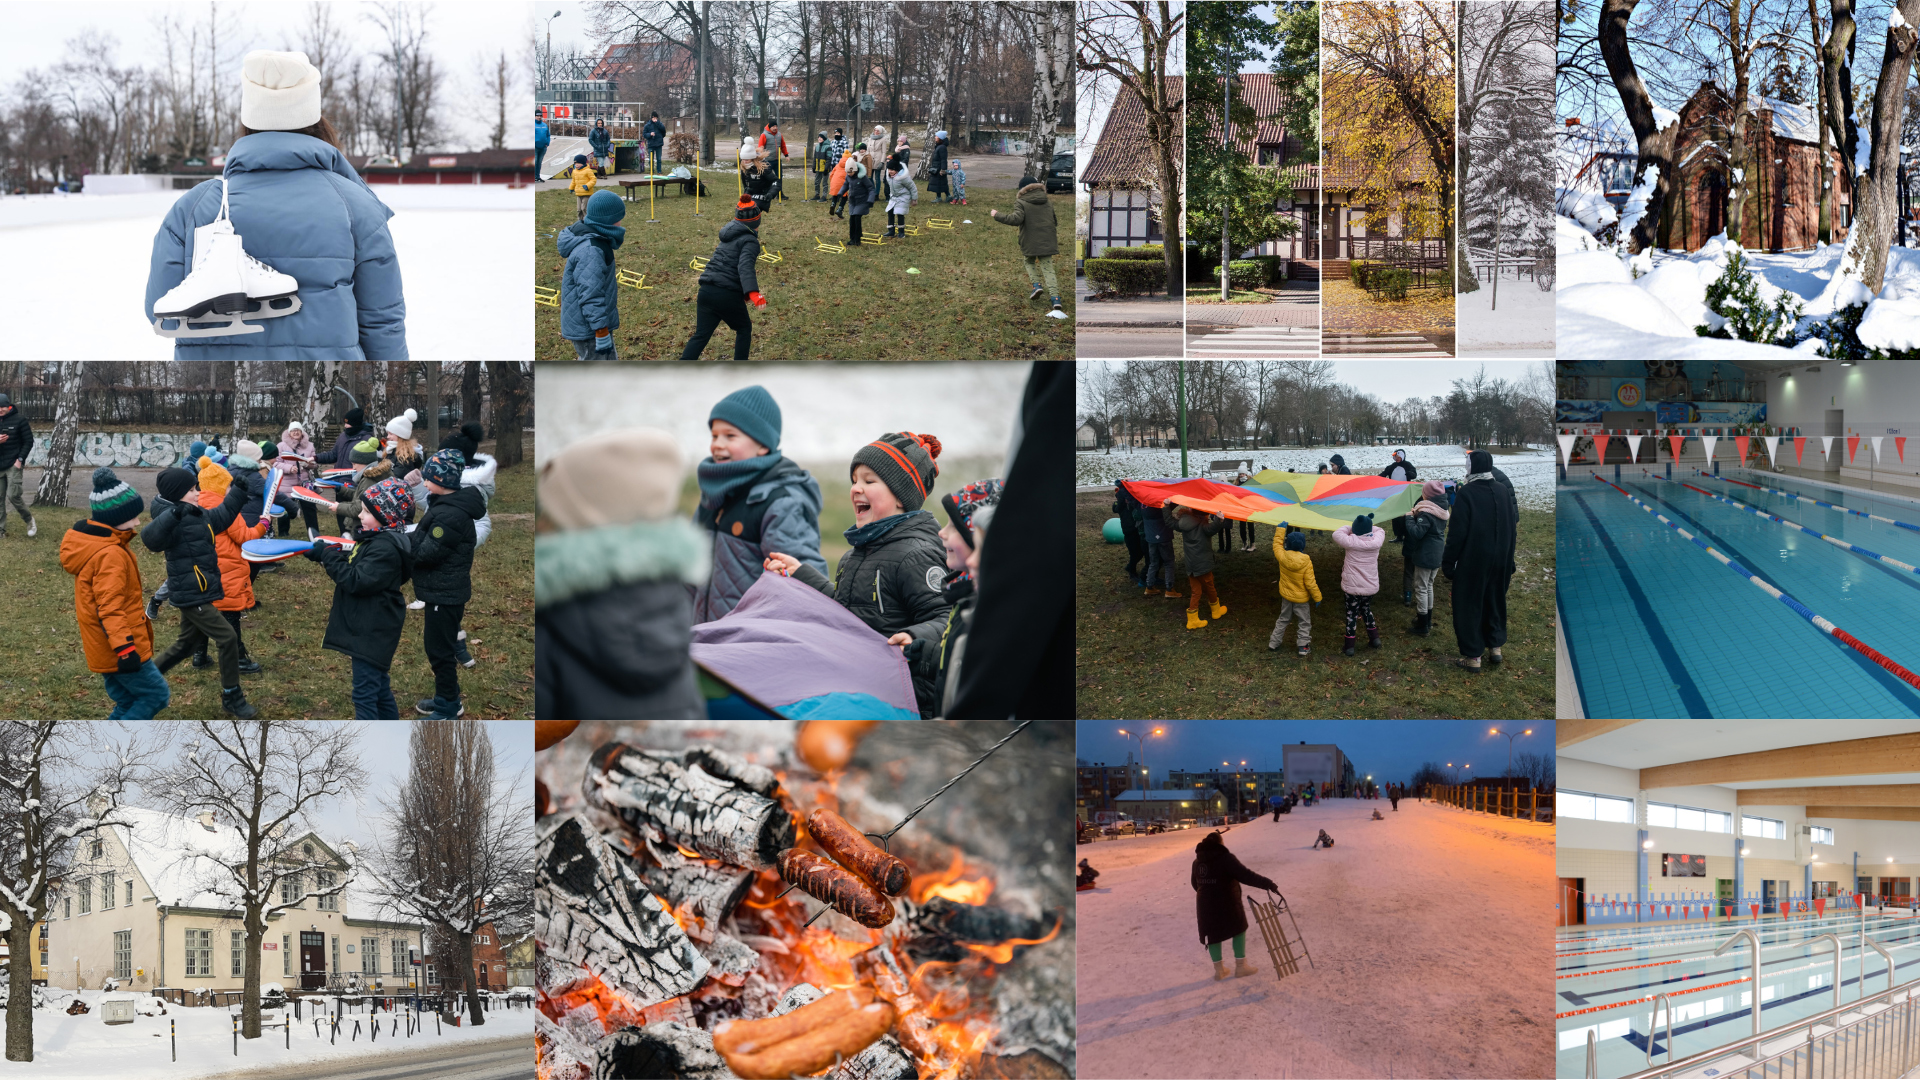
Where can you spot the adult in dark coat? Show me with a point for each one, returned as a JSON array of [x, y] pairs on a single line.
[[353, 428], [1401, 469], [16, 442], [655, 134], [1340, 465], [1216, 878], [1125, 506], [937, 167], [1481, 534]]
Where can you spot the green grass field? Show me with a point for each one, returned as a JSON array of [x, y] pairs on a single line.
[[1137, 659], [968, 302], [43, 672]]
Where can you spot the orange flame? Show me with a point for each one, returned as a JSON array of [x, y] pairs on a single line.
[[947, 883], [689, 852], [1003, 952]]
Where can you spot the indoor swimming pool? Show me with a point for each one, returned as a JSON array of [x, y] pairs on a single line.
[[1656, 625]]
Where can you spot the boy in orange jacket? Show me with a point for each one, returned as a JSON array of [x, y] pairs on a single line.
[[236, 575], [107, 599]]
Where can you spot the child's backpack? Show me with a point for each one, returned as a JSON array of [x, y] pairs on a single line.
[[837, 180]]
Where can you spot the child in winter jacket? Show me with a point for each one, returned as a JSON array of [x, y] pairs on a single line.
[[186, 532], [837, 180], [728, 284], [368, 608], [969, 510], [114, 632], [1157, 531], [892, 578], [959, 177], [369, 468], [753, 501], [901, 195], [1196, 533], [1360, 575], [612, 620], [1297, 587], [1039, 241], [1426, 543], [298, 463], [16, 442], [581, 181], [480, 475], [443, 544], [589, 289], [859, 199], [236, 580]]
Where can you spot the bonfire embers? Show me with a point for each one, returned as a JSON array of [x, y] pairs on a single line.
[[723, 952]]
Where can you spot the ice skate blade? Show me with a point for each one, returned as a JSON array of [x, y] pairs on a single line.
[[224, 325]]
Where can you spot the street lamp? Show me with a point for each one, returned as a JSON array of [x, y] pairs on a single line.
[[1510, 737], [547, 72], [1142, 736]]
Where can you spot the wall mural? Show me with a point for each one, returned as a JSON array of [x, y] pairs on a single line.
[[119, 449]]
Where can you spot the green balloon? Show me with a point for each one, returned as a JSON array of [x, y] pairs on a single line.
[[1111, 531]]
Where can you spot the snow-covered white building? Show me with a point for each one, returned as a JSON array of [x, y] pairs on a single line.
[[139, 906]]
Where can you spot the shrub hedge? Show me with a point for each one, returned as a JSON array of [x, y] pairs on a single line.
[[1144, 253], [1126, 275]]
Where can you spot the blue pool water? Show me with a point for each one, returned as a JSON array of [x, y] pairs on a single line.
[[1605, 981], [1657, 627]]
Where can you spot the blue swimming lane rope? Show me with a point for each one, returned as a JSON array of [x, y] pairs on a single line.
[[1821, 624], [1835, 541], [1814, 501]]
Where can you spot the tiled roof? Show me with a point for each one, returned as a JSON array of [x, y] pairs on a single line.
[[1257, 89], [1123, 157]]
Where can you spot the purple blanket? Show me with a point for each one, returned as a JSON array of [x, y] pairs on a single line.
[[785, 641]]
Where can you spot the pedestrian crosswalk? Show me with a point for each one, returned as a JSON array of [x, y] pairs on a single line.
[[1245, 342], [1409, 346]]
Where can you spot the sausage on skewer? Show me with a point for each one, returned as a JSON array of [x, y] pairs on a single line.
[[836, 887], [817, 1045], [854, 851], [752, 1036]]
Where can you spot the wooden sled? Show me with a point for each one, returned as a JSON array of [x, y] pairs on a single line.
[[1280, 947]]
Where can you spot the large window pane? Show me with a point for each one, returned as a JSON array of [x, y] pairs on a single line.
[[1685, 817], [1571, 804], [1620, 810], [1660, 815]]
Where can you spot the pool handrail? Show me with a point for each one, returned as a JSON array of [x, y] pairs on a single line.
[[1753, 941], [1698, 1061], [1835, 938], [1882, 950], [1593, 1054], [1651, 1020]]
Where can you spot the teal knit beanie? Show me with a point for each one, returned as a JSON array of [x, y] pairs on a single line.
[[606, 208], [754, 412]]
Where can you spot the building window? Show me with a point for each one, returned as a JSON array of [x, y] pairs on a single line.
[[1763, 827], [1589, 807], [286, 954], [291, 891], [400, 957], [43, 946], [107, 891], [307, 850], [239, 953], [432, 979], [85, 888], [1668, 816], [336, 953], [482, 939], [122, 954], [199, 953], [369, 956], [328, 903], [1822, 834], [98, 849], [66, 906], [129, 892]]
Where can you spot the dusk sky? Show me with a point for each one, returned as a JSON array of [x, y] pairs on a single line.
[[1388, 749]]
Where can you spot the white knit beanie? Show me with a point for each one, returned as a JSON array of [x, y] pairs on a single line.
[[402, 426], [280, 91], [247, 448], [617, 477]]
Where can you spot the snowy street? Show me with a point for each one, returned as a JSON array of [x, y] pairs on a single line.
[[1407, 920]]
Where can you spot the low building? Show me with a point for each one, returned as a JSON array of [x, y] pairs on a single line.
[[1268, 144], [136, 907], [1317, 763], [1171, 805], [1097, 784], [519, 962], [1253, 786], [1122, 178]]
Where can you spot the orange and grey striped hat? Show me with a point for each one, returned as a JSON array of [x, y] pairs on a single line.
[[905, 462]]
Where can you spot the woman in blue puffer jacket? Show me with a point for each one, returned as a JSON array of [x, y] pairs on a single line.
[[300, 209]]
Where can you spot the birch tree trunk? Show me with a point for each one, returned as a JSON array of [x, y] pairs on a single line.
[[66, 427], [1052, 53], [946, 50], [242, 383], [376, 407], [319, 396], [1875, 191]]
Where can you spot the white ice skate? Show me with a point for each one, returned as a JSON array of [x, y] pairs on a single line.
[[225, 287]]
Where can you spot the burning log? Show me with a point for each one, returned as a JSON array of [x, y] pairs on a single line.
[[667, 802], [732, 959], [755, 778], [667, 1051], [594, 919], [942, 927], [709, 892]]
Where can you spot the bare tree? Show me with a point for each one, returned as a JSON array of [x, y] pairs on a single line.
[[454, 853], [1138, 44], [469, 391], [378, 375], [242, 388], [1048, 29], [264, 779], [66, 428], [1874, 188], [55, 799], [508, 381]]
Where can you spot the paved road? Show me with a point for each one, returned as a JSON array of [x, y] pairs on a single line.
[[1103, 343], [492, 1060], [1403, 345], [1251, 342]]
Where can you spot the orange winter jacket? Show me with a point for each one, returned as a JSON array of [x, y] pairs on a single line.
[[236, 577], [107, 595], [837, 180]]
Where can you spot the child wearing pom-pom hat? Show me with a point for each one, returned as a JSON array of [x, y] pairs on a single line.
[[115, 633]]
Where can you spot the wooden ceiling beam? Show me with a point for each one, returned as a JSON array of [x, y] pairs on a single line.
[[1866, 813], [1845, 795], [1851, 757], [1568, 732]]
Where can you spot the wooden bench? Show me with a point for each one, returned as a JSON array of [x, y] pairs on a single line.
[[685, 186], [1229, 465]]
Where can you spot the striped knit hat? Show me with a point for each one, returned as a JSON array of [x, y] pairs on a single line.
[[747, 212], [113, 501], [904, 462]]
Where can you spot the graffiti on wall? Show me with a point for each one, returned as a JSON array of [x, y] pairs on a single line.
[[119, 449]]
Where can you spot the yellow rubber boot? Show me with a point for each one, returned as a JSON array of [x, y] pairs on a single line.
[[1219, 609], [1194, 621]]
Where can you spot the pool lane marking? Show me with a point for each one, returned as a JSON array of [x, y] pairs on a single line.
[[1656, 938], [1690, 695], [1820, 623], [1592, 936], [1650, 997], [1814, 501], [1630, 967], [1835, 541]]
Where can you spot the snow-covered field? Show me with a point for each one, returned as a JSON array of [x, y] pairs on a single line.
[[1532, 472], [1524, 318], [1426, 930], [85, 1048], [73, 269]]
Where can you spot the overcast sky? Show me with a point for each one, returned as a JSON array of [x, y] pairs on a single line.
[[458, 32], [1387, 749], [1398, 380]]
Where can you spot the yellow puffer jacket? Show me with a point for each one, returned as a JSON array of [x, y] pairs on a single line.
[[1296, 572], [583, 180]]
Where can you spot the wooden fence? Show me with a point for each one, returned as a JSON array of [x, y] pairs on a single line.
[[1533, 805]]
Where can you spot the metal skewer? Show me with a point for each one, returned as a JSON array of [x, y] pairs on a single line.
[[887, 837]]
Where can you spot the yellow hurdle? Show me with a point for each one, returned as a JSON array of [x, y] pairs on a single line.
[[546, 297], [938, 223], [631, 280], [697, 263], [831, 249], [872, 240], [913, 230], [771, 257]]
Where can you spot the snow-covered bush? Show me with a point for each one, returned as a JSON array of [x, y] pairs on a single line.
[[1841, 334], [1736, 297]]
